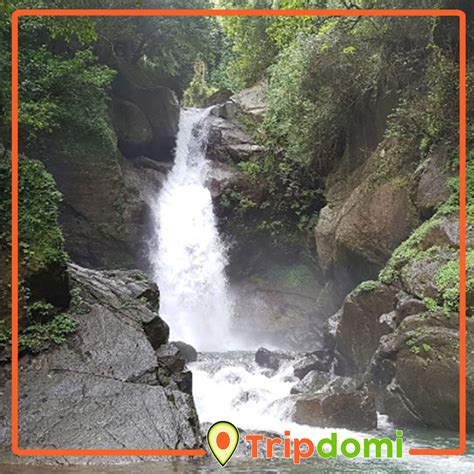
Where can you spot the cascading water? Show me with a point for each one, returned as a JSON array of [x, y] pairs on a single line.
[[189, 259]]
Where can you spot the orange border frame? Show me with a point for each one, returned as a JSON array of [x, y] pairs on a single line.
[[462, 212]]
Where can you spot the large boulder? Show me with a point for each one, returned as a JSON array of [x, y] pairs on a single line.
[[161, 107], [186, 350], [313, 382], [252, 101], [416, 370], [106, 387], [360, 236], [156, 106], [271, 359], [350, 408], [230, 143], [359, 326], [133, 129]]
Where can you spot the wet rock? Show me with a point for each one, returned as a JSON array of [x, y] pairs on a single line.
[[160, 106], [388, 322], [226, 110], [147, 163], [267, 359], [319, 360], [324, 237], [351, 409], [355, 252], [103, 214], [330, 330], [101, 388], [222, 176], [382, 231], [270, 309], [186, 350], [312, 382], [157, 332], [219, 97]]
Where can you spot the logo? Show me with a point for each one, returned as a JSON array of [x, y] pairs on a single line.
[[223, 438]]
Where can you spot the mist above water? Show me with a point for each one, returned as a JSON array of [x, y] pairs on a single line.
[[188, 258]]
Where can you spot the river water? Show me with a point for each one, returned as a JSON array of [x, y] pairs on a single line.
[[189, 263]]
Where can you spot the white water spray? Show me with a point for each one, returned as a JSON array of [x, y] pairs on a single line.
[[189, 260]]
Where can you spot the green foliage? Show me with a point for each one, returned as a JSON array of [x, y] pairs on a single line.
[[40, 310], [67, 92], [41, 336], [451, 206], [448, 282], [366, 286], [198, 90], [40, 238], [321, 80], [431, 304], [252, 46], [60, 82], [140, 276], [251, 168], [63, 85], [409, 250], [164, 49]]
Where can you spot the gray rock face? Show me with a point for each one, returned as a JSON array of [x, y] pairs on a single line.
[[313, 382], [229, 142], [275, 313], [252, 101], [106, 386], [433, 189], [319, 360]]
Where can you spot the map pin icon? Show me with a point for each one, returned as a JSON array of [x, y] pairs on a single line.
[[223, 438]]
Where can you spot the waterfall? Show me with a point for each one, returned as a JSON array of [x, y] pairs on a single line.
[[188, 258]]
